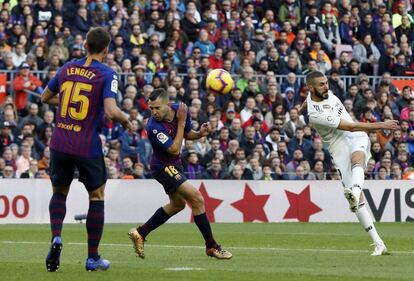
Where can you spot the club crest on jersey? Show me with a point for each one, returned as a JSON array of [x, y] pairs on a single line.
[[162, 138], [114, 86], [178, 177], [154, 131]]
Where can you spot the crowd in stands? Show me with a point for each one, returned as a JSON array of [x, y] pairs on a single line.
[[258, 131]]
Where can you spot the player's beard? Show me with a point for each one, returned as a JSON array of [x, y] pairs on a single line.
[[322, 95]]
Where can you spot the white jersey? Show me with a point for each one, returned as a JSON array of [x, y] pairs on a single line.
[[325, 117]]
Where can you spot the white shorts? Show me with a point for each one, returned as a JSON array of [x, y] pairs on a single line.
[[341, 153]]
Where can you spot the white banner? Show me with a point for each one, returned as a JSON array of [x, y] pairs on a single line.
[[134, 201]]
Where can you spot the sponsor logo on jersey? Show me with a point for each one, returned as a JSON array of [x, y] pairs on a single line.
[[162, 138], [326, 106], [317, 107], [69, 127]]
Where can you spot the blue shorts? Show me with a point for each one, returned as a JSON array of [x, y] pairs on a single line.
[[92, 171], [171, 177]]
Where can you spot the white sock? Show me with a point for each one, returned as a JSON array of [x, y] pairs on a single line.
[[366, 221], [358, 175]]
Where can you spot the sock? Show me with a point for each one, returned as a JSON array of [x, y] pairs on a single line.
[[204, 226], [157, 219], [94, 227], [366, 221], [57, 211], [358, 175]]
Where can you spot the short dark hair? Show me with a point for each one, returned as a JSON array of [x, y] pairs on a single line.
[[313, 75], [97, 39], [158, 93]]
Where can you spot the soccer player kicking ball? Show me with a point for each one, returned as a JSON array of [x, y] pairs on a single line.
[[87, 89], [167, 127], [348, 144]]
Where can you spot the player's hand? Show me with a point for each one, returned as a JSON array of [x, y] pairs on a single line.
[[391, 125], [182, 113], [205, 129], [128, 125]]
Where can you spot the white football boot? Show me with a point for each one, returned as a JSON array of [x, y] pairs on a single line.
[[379, 249]]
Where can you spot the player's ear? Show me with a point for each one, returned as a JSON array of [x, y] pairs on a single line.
[[106, 51]]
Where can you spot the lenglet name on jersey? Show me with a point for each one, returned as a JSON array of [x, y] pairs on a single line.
[[80, 72]]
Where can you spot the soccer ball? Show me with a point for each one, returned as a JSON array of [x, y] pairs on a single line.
[[219, 81]]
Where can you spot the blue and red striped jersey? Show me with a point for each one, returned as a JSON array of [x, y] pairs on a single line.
[[82, 86], [161, 136]]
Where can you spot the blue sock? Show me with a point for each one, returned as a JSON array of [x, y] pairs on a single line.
[[57, 211], [157, 219], [204, 226], [94, 226]]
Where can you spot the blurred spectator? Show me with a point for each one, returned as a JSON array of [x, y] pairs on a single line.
[[256, 169], [5, 135], [8, 172], [367, 54], [31, 172], [293, 123], [193, 169], [24, 83], [294, 163]]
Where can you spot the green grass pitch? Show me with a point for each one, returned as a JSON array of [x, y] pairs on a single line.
[[284, 251]]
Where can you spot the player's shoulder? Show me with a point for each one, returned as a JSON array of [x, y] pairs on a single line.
[[333, 97], [153, 126], [106, 70]]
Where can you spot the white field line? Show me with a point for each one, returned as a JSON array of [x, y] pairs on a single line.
[[260, 249]]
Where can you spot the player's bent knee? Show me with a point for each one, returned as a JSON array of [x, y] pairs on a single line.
[[198, 200], [179, 207], [357, 157]]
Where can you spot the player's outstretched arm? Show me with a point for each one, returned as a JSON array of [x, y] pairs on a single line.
[[175, 148], [113, 112], [50, 97], [205, 129], [360, 126]]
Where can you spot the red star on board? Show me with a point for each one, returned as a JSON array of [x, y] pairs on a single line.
[[252, 206], [210, 204], [301, 207]]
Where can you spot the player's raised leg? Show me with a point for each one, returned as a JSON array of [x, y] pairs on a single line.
[[57, 212], [358, 177], [196, 200], [161, 216], [94, 226]]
